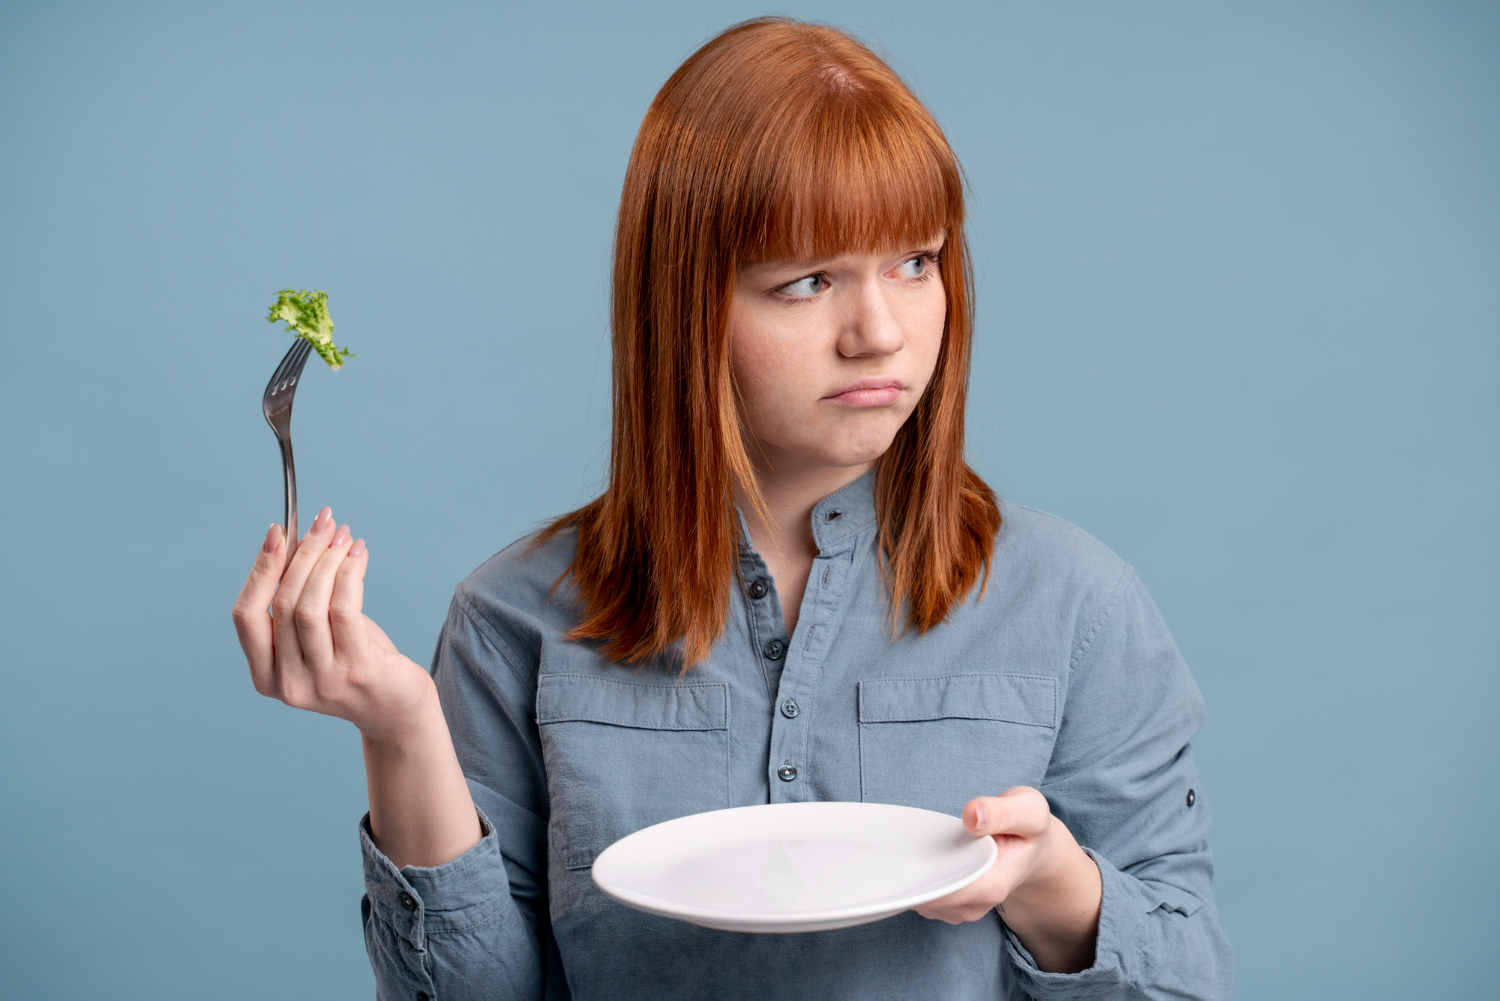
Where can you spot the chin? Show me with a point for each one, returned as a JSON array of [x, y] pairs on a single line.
[[853, 450]]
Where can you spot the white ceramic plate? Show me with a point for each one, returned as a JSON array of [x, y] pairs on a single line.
[[793, 867]]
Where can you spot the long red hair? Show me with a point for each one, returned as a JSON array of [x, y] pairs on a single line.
[[778, 139]]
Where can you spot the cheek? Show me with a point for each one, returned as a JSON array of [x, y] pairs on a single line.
[[771, 371], [929, 330]]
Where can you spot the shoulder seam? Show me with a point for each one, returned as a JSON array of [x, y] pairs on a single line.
[[1044, 514], [503, 647], [1106, 612]]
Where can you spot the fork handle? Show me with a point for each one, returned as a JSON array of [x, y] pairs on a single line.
[[289, 471]]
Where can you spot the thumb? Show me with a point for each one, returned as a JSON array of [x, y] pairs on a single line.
[[1020, 810], [379, 636]]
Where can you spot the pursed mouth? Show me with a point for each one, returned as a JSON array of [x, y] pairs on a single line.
[[863, 385]]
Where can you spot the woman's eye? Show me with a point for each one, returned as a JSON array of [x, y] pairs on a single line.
[[918, 266], [803, 287]]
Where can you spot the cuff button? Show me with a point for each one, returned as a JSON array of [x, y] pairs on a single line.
[[1192, 797]]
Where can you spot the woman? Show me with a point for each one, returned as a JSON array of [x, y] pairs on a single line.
[[794, 588]]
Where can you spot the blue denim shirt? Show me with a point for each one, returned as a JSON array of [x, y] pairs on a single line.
[[1063, 677]]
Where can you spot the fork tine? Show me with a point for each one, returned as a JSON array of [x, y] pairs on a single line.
[[290, 367], [281, 368], [296, 369]]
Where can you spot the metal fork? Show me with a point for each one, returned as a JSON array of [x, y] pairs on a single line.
[[276, 403]]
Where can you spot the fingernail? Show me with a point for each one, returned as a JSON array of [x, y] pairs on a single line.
[[980, 816], [322, 521], [342, 537], [273, 539], [359, 548]]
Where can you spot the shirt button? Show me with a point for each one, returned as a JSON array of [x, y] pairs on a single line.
[[1192, 797], [775, 649], [789, 709], [758, 589], [786, 773], [408, 902]]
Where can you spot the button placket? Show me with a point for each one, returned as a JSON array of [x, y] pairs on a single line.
[[791, 740], [791, 664], [758, 615]]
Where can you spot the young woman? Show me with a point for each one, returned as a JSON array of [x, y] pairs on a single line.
[[793, 588]]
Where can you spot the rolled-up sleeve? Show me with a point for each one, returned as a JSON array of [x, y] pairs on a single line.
[[1123, 780], [474, 927]]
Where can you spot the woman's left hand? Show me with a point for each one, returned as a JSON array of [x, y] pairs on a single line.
[[1044, 885]]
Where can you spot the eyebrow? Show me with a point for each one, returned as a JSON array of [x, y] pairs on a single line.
[[808, 262]]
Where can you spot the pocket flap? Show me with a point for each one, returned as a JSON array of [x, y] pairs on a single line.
[[1173, 899], [1010, 698], [562, 698]]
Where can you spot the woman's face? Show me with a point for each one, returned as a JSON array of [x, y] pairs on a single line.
[[831, 356]]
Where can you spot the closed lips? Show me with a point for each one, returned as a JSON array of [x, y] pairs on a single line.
[[867, 383]]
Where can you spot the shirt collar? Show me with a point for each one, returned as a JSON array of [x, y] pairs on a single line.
[[837, 518]]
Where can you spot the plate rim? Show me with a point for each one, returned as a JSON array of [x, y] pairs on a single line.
[[668, 908]]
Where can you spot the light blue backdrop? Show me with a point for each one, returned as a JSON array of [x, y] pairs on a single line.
[[1238, 318]]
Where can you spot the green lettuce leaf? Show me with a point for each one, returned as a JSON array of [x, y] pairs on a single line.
[[306, 315]]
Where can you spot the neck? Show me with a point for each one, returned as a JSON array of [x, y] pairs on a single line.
[[790, 495]]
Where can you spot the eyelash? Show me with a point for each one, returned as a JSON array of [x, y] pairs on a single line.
[[933, 258]]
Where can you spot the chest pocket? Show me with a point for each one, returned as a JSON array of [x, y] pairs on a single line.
[[936, 743], [623, 755]]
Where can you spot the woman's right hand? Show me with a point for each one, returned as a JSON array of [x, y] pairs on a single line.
[[317, 649]]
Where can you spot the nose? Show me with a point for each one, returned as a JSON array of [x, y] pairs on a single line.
[[870, 327]]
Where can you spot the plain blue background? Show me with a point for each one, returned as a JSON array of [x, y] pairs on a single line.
[[1238, 307]]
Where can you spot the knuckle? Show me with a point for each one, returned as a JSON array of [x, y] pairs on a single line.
[[1028, 799], [294, 695], [307, 617], [325, 688]]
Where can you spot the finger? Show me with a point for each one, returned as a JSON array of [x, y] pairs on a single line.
[[969, 903], [945, 907], [313, 630], [251, 623], [345, 608], [1019, 811], [289, 650]]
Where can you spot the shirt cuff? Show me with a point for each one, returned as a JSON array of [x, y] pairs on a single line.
[[1115, 949], [459, 895]]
